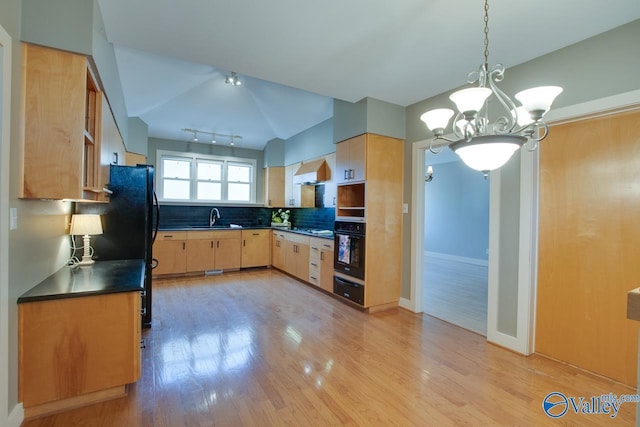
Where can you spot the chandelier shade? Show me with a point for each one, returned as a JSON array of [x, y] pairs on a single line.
[[486, 143], [487, 153], [538, 98], [438, 118], [471, 99]]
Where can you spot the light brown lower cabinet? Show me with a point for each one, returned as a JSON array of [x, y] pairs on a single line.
[[75, 351], [256, 248], [321, 263], [278, 250], [170, 249], [297, 255], [180, 252]]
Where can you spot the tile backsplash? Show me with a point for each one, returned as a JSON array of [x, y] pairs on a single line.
[[198, 216]]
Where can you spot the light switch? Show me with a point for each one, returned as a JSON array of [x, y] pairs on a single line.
[[13, 218], [405, 208]]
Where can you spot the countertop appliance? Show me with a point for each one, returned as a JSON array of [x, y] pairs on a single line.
[[129, 222]]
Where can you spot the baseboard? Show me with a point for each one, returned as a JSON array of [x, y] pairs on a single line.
[[474, 261], [16, 416], [407, 305]]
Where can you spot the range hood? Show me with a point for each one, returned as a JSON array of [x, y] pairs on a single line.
[[311, 173]]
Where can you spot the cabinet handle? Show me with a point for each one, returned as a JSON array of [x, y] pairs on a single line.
[[217, 243], [321, 256], [244, 243], [269, 202], [184, 245], [255, 234], [143, 293], [352, 173], [143, 344], [212, 244], [168, 236], [143, 311], [314, 264], [346, 174], [313, 278], [334, 200]]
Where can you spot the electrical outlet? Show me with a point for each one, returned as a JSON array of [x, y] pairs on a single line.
[[13, 218], [405, 208]]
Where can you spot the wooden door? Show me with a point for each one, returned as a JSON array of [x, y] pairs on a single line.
[[290, 257], [302, 261], [326, 266], [228, 254], [588, 247], [274, 186], [342, 162], [255, 248], [171, 256], [277, 251], [200, 255], [358, 157]]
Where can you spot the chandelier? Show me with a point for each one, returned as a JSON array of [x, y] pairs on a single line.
[[486, 145]]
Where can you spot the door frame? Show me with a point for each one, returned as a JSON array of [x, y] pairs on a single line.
[[524, 342], [5, 140]]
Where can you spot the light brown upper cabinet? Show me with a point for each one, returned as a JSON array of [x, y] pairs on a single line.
[[62, 115], [351, 159], [274, 186]]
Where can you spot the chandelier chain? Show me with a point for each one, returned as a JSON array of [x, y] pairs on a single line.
[[486, 34]]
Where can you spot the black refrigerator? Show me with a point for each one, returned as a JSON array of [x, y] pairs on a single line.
[[129, 222]]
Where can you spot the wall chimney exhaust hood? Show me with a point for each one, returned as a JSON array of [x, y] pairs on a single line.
[[311, 172]]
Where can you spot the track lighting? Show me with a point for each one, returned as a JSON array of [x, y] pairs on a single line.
[[213, 135], [233, 79]]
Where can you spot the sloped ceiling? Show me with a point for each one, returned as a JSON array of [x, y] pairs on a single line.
[[294, 57]]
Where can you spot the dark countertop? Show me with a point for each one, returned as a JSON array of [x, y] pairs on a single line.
[[104, 277], [306, 232]]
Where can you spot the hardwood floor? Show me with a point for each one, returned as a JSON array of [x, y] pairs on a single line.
[[259, 348], [456, 292]]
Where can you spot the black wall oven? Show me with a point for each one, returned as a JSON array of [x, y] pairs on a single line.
[[349, 248]]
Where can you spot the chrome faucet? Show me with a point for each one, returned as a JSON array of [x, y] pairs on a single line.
[[213, 215]]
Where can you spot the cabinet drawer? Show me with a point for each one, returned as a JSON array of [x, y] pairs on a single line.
[[231, 234], [297, 238], [172, 235], [314, 276], [199, 235], [255, 234], [327, 245]]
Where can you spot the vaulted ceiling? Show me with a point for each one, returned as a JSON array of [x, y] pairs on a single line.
[[295, 56]]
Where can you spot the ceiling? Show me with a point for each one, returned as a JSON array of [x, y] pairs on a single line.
[[295, 56]]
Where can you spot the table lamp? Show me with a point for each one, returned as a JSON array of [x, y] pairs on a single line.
[[86, 225]]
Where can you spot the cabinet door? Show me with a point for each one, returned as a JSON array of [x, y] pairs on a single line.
[[228, 254], [171, 256], [54, 87], [274, 186], [200, 255], [74, 346], [292, 192], [326, 267], [290, 256], [330, 190], [277, 251], [342, 162], [255, 248], [302, 261], [358, 157]]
